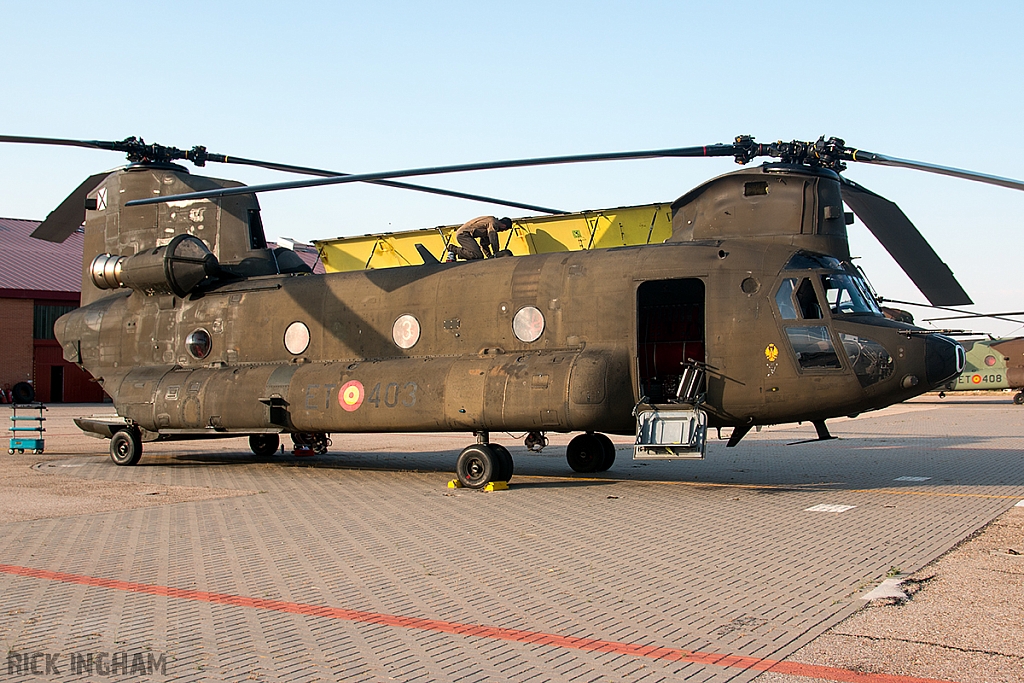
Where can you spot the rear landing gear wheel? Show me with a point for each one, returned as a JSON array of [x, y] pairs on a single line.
[[477, 465], [586, 453], [608, 457], [264, 445], [1019, 398], [126, 447], [507, 468]]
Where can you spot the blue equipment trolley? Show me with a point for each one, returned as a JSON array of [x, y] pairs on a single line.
[[27, 429]]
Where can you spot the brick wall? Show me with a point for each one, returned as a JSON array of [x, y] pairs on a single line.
[[15, 341]]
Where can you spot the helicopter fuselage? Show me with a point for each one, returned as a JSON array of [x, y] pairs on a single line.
[[552, 342]]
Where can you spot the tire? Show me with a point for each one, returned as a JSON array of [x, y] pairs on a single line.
[[125, 448], [585, 453], [264, 445], [1019, 398], [608, 458], [23, 392], [507, 466], [477, 466]]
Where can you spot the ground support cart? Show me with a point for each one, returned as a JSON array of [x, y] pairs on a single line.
[[27, 428]]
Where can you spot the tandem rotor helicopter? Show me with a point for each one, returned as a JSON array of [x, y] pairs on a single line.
[[749, 314]]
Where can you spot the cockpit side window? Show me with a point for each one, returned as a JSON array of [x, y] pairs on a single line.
[[810, 309], [784, 299], [796, 302], [813, 347]]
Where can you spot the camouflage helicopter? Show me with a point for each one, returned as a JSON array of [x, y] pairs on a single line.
[[991, 364], [749, 314]]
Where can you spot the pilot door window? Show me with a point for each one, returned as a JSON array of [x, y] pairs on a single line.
[[796, 299], [812, 345]]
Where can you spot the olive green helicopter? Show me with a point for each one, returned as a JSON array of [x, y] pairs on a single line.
[[751, 313]]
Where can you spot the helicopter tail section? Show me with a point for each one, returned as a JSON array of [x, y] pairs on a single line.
[[230, 229]]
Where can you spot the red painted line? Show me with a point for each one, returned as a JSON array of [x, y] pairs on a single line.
[[475, 630]]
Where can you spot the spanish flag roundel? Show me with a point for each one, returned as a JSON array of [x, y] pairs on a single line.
[[350, 396]]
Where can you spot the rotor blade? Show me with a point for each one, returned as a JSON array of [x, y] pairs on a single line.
[[287, 168], [902, 240], [704, 151], [996, 316], [968, 314], [199, 156], [882, 160], [92, 144], [69, 216]]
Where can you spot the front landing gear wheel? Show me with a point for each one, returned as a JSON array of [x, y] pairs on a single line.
[[126, 447], [264, 445], [586, 453], [477, 466], [1019, 398]]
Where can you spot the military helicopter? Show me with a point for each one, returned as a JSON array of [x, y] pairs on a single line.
[[749, 314], [992, 364]]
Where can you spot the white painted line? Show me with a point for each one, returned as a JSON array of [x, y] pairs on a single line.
[[911, 478], [890, 588], [1020, 504], [830, 508]]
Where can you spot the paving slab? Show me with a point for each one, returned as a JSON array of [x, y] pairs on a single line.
[[363, 565]]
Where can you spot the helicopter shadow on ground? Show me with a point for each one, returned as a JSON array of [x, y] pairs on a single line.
[[771, 466], [558, 474]]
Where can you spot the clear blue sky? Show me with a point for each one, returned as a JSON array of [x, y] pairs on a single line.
[[378, 86]]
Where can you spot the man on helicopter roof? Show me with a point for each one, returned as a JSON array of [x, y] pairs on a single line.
[[485, 229]]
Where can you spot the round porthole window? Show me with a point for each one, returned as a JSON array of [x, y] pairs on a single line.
[[406, 331], [528, 324], [296, 338], [199, 344]]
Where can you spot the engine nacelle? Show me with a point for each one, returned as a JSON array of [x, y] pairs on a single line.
[[172, 269]]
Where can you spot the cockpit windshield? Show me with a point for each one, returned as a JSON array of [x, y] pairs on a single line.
[[847, 294]]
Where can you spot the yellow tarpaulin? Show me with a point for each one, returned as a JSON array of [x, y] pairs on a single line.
[[625, 226]]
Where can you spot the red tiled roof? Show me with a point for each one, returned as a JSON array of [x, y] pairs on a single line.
[[30, 264]]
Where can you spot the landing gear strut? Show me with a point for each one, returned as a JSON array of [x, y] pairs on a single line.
[[310, 443], [484, 462], [590, 452]]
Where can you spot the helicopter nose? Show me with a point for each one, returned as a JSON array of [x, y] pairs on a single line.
[[944, 359]]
